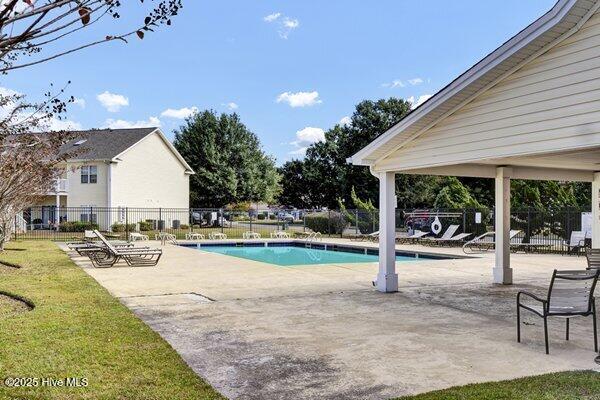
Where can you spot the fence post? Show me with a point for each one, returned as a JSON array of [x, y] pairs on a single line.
[[356, 221], [16, 228], [250, 215], [329, 223], [161, 226], [127, 224], [528, 225], [221, 220], [464, 227], [304, 221]]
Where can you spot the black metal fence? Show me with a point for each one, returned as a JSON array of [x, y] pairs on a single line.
[[550, 231]]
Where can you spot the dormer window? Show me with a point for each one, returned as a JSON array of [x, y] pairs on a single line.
[[89, 174]]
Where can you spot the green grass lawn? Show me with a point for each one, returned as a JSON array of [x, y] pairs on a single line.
[[77, 329], [560, 386]]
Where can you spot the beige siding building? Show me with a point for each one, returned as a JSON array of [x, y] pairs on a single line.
[[133, 168]]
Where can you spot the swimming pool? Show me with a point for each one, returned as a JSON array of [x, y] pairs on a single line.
[[296, 254]]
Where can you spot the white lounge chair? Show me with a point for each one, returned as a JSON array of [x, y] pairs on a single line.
[[450, 231], [194, 236], [576, 241], [486, 242], [217, 236], [251, 235], [280, 235], [165, 237], [134, 236]]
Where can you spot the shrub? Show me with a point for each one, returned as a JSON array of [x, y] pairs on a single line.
[[326, 222], [118, 227], [272, 216], [261, 217], [184, 227], [77, 226], [146, 225]]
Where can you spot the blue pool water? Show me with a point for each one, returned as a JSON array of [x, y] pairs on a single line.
[[292, 255]]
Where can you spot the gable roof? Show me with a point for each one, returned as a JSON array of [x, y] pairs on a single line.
[[564, 19], [103, 144], [109, 144]]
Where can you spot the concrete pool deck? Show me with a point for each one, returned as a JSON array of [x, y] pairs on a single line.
[[259, 331]]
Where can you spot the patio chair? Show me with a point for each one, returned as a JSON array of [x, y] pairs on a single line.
[[165, 237], [194, 236], [576, 242], [415, 237], [280, 235], [483, 243], [134, 236], [450, 231], [134, 257], [217, 236], [454, 239], [593, 258], [251, 235], [571, 294]]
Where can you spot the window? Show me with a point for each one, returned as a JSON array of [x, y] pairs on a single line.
[[89, 174], [88, 214]]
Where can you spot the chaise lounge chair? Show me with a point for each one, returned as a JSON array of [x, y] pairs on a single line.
[[571, 294], [450, 231], [109, 255], [593, 258], [486, 242], [414, 238], [251, 235]]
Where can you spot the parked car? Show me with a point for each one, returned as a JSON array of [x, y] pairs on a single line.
[[287, 217]]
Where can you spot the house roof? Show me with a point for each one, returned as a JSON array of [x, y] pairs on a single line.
[[103, 144], [109, 144], [564, 19]]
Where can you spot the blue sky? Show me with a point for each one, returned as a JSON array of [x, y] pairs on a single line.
[[284, 66]]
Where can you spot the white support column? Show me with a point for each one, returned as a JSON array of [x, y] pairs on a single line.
[[387, 279], [502, 270], [596, 211]]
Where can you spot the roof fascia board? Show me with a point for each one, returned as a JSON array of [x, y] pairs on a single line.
[[516, 43]]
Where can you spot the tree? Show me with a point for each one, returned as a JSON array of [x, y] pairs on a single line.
[[37, 28], [29, 161], [229, 162], [453, 195], [294, 186], [325, 170]]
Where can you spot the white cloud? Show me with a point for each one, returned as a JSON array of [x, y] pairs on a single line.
[[285, 24], [272, 17], [417, 102], [123, 124], [79, 102], [310, 135], [299, 99], [394, 84], [8, 92], [181, 113], [231, 106], [398, 83], [112, 102], [55, 124], [346, 121], [305, 137], [415, 81]]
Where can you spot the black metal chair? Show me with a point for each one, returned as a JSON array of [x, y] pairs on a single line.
[[571, 294], [593, 258]]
